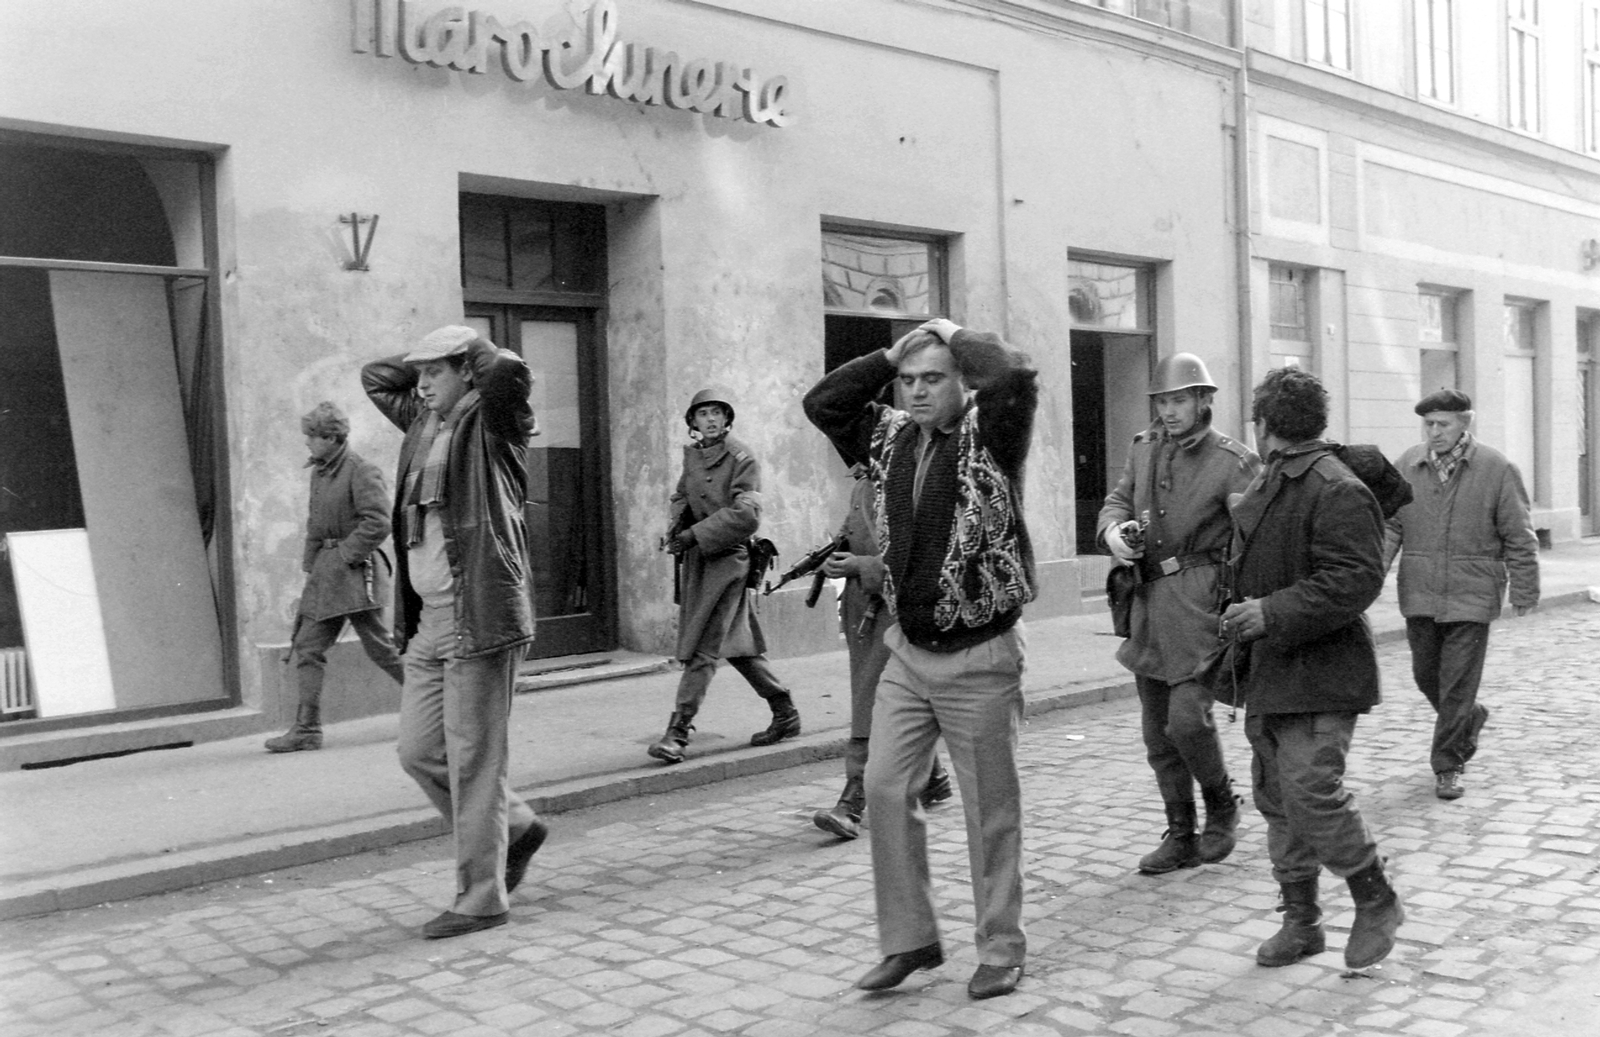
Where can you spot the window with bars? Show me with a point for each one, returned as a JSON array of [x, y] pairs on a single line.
[[1328, 33], [1436, 50], [1523, 66], [1288, 304]]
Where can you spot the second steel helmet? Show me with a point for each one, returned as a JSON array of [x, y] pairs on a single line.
[[1180, 371], [710, 394]]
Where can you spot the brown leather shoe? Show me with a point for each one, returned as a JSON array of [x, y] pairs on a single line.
[[993, 981], [450, 924]]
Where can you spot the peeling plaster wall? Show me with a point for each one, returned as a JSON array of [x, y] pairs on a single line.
[[1018, 144]]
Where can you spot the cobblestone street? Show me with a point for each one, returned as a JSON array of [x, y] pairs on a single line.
[[726, 912]]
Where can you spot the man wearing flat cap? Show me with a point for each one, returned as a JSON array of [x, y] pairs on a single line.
[[1465, 535], [347, 576], [463, 600]]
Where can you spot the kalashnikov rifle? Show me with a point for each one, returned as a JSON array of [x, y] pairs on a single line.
[[811, 565]]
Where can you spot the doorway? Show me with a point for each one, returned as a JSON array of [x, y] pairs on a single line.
[[533, 279]]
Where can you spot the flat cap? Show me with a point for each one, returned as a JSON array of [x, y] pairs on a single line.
[[1444, 399], [450, 340]]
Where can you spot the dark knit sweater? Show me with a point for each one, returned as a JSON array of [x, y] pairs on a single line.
[[947, 596]]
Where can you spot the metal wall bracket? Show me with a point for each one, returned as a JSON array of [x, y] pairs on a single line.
[[358, 248]]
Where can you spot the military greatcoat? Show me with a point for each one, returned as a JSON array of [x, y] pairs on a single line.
[[1182, 484], [719, 499]]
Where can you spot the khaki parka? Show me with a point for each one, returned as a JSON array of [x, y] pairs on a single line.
[[718, 498], [1461, 541], [348, 520], [1182, 484]]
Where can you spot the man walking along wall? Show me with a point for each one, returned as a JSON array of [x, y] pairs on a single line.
[[1463, 537], [347, 573], [463, 600]]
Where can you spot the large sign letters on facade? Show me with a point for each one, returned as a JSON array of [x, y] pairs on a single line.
[[589, 56]]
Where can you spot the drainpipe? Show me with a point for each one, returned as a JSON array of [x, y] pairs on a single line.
[[1241, 193]]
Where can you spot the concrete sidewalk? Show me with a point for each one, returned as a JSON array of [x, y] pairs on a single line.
[[116, 828]]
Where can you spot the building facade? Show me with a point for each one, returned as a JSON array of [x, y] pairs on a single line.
[[215, 214]]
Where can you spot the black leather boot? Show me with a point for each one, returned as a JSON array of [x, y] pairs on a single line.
[[785, 722], [305, 734], [670, 746], [844, 820], [1179, 848], [938, 788], [1218, 837], [1301, 935], [1378, 916]]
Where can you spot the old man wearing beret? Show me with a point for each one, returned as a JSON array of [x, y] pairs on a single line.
[[1465, 535], [347, 574]]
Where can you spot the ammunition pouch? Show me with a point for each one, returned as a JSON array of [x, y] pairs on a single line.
[[1121, 583], [763, 553]]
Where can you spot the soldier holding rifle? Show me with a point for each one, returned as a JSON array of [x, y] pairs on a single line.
[[716, 512]]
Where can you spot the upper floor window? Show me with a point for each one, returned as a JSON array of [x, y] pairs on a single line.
[[1591, 75], [1436, 50], [1523, 100], [1328, 32], [1207, 19]]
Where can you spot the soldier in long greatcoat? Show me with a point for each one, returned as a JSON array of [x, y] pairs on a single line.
[[715, 512], [1179, 475]]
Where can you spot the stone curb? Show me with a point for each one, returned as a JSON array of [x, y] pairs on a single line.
[[252, 856]]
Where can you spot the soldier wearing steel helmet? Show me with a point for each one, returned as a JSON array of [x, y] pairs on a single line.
[[715, 512], [1174, 493]]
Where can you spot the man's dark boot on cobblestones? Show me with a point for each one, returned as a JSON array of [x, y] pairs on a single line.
[[670, 747], [1218, 837], [844, 820], [1301, 935], [785, 722], [1179, 848], [305, 734], [1378, 916]]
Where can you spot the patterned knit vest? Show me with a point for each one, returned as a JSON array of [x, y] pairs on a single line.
[[966, 552]]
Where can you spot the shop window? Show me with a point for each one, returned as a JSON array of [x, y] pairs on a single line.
[[1328, 33], [1519, 397], [1523, 66], [876, 288], [1436, 50], [1437, 338], [1292, 314], [108, 427]]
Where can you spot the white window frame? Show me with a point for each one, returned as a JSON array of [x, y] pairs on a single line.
[[1328, 33], [1436, 47], [1524, 67]]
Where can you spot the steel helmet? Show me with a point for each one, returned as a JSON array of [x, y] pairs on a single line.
[[1180, 371], [710, 394]]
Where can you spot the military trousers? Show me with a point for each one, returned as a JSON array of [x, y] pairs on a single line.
[[1297, 769]]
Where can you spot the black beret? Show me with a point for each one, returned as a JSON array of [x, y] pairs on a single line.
[[1444, 399]]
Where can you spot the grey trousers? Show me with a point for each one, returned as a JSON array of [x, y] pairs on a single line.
[[974, 698], [1298, 772], [1180, 738], [1447, 663], [454, 742], [313, 638]]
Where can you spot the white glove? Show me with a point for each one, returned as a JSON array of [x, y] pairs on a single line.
[[1120, 550]]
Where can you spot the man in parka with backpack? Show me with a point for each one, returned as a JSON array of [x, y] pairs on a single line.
[[715, 514]]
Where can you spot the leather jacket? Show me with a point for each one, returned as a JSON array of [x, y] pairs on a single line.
[[485, 531]]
